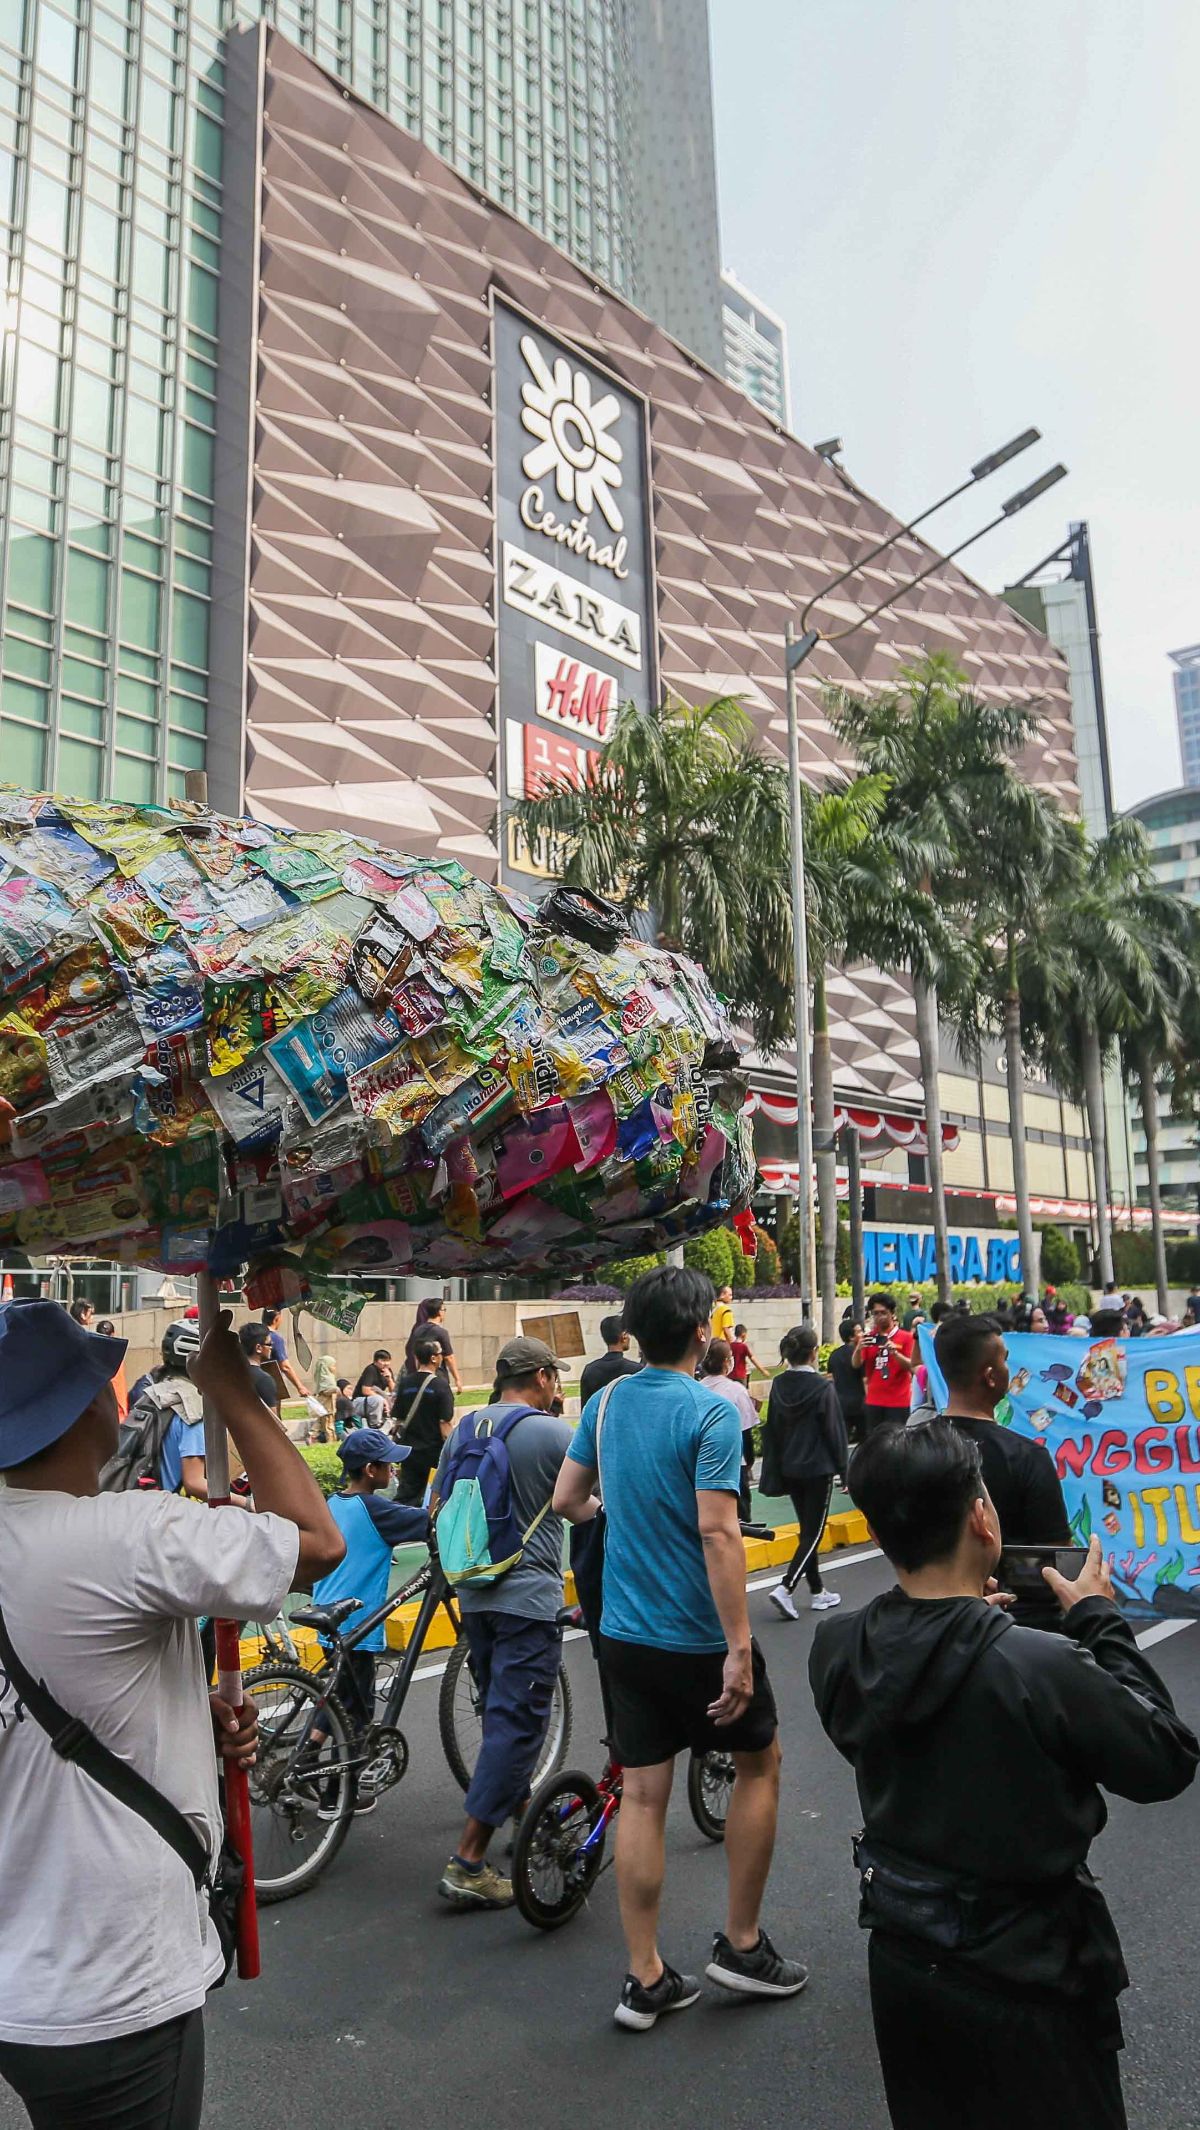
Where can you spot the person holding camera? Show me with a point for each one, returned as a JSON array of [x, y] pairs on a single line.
[[887, 1358], [980, 1750]]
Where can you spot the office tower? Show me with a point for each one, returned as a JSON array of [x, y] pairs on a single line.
[[756, 350], [1186, 678], [590, 119]]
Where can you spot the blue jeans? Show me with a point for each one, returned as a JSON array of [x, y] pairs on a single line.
[[515, 1663]]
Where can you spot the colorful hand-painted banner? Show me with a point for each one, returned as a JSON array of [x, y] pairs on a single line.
[[1121, 1419]]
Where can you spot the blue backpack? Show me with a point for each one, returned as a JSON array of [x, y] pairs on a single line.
[[478, 1536]]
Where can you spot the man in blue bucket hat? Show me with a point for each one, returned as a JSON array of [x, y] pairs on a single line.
[[107, 1949]]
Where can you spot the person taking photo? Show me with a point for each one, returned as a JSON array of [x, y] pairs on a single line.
[[980, 1749], [107, 1948], [887, 1358]]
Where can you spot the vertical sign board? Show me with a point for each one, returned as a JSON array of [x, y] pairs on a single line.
[[575, 590]]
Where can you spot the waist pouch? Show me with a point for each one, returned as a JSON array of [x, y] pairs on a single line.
[[958, 1915]]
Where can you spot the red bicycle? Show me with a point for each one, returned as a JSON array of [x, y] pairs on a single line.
[[559, 1850]]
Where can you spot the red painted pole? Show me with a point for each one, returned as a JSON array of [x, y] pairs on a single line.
[[229, 1669]]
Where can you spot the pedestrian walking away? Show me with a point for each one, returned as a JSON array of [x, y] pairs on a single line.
[[613, 1362], [979, 1749], [511, 1621], [804, 1451], [886, 1358], [371, 1528], [422, 1417], [108, 1949], [430, 1313], [743, 1357], [847, 1380], [1019, 1473], [721, 1320], [716, 1372], [675, 1645]]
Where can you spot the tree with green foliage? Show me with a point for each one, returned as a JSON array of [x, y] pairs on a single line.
[[685, 815], [944, 751], [1060, 1258]]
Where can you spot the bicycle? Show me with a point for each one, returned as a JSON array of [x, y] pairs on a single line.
[[303, 1788], [559, 1849]]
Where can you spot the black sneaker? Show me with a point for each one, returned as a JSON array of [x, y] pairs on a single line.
[[640, 2007], [761, 1972]]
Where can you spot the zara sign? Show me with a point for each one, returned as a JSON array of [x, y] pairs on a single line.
[[908, 1255], [575, 595]]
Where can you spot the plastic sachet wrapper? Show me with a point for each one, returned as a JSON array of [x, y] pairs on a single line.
[[225, 1042]]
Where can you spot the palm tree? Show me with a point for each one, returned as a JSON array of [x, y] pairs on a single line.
[[685, 816], [944, 752], [1023, 860], [1165, 1017]]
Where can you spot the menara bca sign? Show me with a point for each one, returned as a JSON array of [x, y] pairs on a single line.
[[909, 1256]]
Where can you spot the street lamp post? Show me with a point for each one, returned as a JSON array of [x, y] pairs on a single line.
[[797, 648]]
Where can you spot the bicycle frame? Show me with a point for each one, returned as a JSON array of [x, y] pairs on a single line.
[[610, 1787], [437, 1594]]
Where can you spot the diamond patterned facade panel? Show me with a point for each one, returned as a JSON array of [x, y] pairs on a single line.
[[371, 687]]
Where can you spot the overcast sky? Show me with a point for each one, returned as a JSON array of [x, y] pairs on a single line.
[[975, 215]]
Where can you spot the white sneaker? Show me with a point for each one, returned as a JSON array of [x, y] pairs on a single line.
[[783, 1601], [824, 1600]]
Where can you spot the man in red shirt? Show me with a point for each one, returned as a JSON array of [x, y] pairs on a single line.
[[887, 1359]]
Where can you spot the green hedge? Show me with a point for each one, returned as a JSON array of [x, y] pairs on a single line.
[[623, 1271], [1076, 1297], [714, 1253], [1133, 1259], [324, 1464]]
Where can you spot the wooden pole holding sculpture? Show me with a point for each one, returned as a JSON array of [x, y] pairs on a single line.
[[229, 1667]]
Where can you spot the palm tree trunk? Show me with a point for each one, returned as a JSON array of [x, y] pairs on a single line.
[[1016, 1114], [927, 1045], [1149, 1097], [825, 1154], [1093, 1088]]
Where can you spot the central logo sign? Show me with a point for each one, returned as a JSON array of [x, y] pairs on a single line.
[[574, 583]]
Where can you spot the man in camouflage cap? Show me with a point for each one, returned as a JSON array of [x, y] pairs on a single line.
[[511, 1624]]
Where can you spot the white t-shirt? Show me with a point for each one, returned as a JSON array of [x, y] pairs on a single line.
[[738, 1395], [102, 1931]]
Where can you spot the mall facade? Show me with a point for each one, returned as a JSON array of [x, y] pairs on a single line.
[[463, 499]]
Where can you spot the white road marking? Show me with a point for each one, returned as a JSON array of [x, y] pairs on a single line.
[[1161, 1632]]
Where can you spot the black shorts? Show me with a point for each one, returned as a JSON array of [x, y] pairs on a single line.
[[660, 1700]]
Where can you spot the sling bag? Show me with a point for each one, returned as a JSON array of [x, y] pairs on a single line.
[[75, 1741]]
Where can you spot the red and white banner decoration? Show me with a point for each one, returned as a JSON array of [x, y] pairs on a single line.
[[780, 1177], [879, 1130]]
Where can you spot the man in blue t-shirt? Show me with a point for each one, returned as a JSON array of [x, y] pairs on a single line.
[[675, 1646], [371, 1526]]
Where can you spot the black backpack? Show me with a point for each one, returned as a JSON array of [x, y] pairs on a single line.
[[137, 1459]]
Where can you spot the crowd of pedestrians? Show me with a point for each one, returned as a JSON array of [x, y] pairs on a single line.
[[980, 1731]]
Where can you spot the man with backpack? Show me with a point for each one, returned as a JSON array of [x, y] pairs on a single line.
[[501, 1547], [675, 1647], [162, 1436]]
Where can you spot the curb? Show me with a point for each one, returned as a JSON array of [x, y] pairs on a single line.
[[846, 1529]]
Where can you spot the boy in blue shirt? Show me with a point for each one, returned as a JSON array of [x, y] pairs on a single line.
[[371, 1526]]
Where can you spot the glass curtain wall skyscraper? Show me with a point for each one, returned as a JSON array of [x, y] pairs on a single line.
[[111, 118]]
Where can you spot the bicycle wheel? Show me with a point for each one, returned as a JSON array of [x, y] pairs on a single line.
[[709, 1782], [460, 1720], [293, 1779], [552, 1871]]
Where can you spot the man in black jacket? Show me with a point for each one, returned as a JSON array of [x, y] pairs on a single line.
[[979, 1749], [804, 1448], [1022, 1483], [847, 1379]]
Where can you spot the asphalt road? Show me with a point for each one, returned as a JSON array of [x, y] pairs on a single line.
[[380, 2006]]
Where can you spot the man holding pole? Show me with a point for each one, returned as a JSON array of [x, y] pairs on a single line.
[[107, 1949]]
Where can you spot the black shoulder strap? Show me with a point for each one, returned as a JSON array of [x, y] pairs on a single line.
[[72, 1740]]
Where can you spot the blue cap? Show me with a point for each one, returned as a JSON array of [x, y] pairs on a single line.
[[50, 1370], [369, 1445]]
